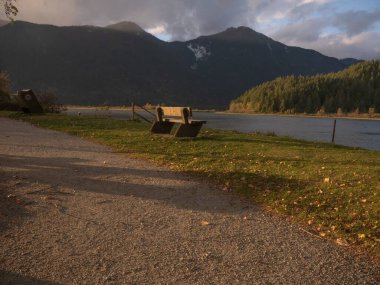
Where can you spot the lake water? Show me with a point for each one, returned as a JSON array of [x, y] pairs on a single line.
[[350, 132]]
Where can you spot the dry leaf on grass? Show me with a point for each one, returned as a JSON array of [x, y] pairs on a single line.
[[342, 242]]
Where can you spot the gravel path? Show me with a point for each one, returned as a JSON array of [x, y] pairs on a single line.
[[73, 212]]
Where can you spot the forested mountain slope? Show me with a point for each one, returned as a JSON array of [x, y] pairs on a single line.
[[356, 88]]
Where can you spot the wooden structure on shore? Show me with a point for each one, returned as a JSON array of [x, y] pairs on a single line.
[[167, 117]]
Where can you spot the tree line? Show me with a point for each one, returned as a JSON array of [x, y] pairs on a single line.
[[355, 89]]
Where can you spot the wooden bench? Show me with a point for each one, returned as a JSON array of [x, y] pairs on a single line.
[[167, 117], [28, 101]]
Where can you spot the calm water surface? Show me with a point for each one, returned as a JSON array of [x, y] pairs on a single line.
[[350, 132]]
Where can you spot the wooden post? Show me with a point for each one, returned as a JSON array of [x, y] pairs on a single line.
[[333, 135], [133, 111]]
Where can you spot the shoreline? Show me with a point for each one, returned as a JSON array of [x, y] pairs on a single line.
[[331, 116]]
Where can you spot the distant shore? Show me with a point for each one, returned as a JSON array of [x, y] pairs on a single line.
[[375, 116]]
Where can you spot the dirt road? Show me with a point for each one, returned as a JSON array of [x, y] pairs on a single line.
[[73, 212]]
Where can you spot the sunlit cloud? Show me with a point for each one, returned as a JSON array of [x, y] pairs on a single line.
[[314, 1], [160, 29]]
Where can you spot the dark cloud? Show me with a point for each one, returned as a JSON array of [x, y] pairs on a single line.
[[183, 19], [194, 18]]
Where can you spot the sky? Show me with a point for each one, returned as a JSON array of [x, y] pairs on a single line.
[[338, 28]]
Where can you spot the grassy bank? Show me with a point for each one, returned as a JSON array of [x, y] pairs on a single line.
[[333, 191]]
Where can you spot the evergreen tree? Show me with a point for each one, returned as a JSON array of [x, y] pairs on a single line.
[[355, 88]]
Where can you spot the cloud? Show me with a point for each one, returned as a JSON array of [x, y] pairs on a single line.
[[160, 29], [308, 9], [362, 46], [46, 11], [305, 31], [307, 23], [321, 27], [183, 19], [355, 22]]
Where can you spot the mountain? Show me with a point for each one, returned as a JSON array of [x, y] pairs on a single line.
[[122, 63], [355, 89], [132, 29], [239, 58], [3, 23], [126, 26], [88, 65], [350, 61]]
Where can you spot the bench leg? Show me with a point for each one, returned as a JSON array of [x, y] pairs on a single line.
[[162, 127], [188, 130]]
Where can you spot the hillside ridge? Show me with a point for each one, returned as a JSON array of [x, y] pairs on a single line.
[[354, 89], [88, 65]]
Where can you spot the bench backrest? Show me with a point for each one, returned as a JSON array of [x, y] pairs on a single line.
[[183, 112], [28, 101]]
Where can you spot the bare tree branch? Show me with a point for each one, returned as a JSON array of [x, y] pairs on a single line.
[[9, 8]]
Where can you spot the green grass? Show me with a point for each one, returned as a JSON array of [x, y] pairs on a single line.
[[334, 191]]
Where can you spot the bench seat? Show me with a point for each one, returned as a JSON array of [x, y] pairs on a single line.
[[167, 117], [180, 121]]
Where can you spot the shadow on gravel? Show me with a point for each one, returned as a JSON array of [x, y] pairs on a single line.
[[18, 279], [158, 184], [12, 208]]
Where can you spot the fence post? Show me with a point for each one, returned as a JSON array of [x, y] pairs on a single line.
[[333, 134], [133, 111]]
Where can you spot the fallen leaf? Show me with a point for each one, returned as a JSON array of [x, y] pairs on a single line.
[[361, 236], [342, 242]]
